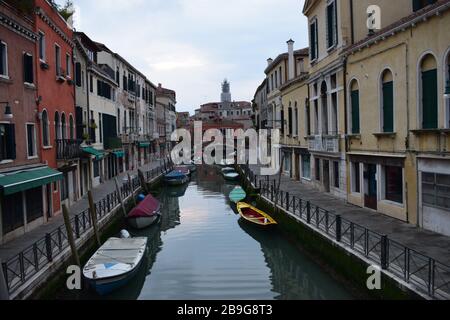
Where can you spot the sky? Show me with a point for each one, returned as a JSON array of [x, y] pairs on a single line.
[[191, 46]]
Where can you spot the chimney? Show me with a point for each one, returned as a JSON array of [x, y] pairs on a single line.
[[291, 61], [269, 61]]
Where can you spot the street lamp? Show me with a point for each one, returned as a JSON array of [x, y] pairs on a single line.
[[8, 113]]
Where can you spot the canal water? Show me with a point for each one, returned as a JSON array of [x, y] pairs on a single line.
[[201, 249]]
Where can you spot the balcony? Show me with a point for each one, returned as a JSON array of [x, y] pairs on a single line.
[[324, 143], [67, 149], [112, 143]]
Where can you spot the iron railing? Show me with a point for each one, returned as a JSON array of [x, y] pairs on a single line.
[[429, 276], [67, 149], [24, 265]]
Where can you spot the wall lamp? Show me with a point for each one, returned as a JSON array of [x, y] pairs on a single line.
[[8, 113]]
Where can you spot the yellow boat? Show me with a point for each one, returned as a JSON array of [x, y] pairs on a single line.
[[254, 215]]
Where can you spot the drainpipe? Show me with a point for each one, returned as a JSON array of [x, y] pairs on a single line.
[[407, 144], [352, 23]]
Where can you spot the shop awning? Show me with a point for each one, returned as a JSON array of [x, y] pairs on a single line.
[[30, 179], [144, 144], [92, 151], [119, 153]]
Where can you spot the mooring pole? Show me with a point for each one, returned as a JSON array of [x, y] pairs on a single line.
[[4, 294], [132, 190], [93, 212], [119, 194], [70, 237], [142, 179]]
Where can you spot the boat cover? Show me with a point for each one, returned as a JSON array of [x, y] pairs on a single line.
[[176, 175], [146, 208], [184, 170]]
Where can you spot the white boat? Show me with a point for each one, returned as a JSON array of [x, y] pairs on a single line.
[[114, 263], [230, 174]]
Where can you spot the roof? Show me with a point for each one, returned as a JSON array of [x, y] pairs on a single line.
[[304, 52]]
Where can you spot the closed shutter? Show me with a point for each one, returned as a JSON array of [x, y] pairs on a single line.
[[388, 107], [78, 74], [330, 24], [355, 112], [11, 141], [429, 99], [99, 88], [313, 41], [28, 68], [290, 122]]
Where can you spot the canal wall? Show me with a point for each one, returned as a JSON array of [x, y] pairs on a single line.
[[344, 264], [52, 276]]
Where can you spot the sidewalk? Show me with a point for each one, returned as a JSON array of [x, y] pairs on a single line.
[[17, 245], [426, 242]]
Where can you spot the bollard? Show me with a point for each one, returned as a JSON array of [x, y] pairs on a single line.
[[4, 293]]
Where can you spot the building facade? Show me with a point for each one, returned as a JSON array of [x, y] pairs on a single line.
[[166, 118]]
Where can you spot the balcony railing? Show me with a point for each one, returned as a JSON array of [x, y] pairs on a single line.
[[324, 143], [113, 143], [67, 149]]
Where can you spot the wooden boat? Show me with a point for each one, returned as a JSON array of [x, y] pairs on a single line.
[[183, 169], [254, 215], [237, 194], [114, 264], [176, 178], [145, 214]]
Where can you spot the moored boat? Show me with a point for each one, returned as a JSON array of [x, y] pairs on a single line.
[[176, 178], [237, 194], [114, 264], [254, 215], [230, 174], [145, 214], [183, 169]]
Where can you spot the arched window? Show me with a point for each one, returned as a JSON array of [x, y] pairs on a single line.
[[429, 92], [387, 101], [71, 128], [45, 131], [354, 107], [57, 126], [63, 127]]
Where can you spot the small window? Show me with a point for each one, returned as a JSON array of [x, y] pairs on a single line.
[[3, 59], [306, 166], [393, 184], [41, 46], [31, 140], [387, 102], [45, 129], [68, 66], [336, 174], [7, 142], [436, 190], [78, 74], [28, 68], [58, 68], [356, 177], [354, 100]]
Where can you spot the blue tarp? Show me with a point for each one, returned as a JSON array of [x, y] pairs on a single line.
[[175, 175]]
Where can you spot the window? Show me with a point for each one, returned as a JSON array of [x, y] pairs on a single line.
[[28, 74], [393, 178], [419, 4], [31, 140], [58, 68], [71, 128], [57, 126], [100, 131], [34, 203], [91, 84], [281, 76], [436, 190], [118, 76], [3, 59], [78, 74], [307, 118], [82, 79], [7, 142], [356, 177], [45, 129], [12, 212], [41, 46], [290, 122], [336, 174], [68, 63], [63, 127], [306, 166], [429, 92], [314, 44], [296, 124], [317, 168], [276, 79], [354, 100], [387, 102], [331, 25]]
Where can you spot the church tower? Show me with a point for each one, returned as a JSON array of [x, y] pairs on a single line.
[[226, 94]]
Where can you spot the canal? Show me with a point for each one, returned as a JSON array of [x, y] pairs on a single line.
[[201, 249]]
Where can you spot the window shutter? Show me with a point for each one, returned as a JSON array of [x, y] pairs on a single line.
[[11, 141], [429, 99], [290, 121], [99, 88], [313, 41], [388, 107], [2, 58], [78, 74], [355, 112], [330, 24], [28, 68]]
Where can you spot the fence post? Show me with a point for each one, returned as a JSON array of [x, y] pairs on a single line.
[[287, 201], [48, 247], [338, 228], [308, 212], [293, 205], [384, 252], [77, 227], [4, 293], [431, 266]]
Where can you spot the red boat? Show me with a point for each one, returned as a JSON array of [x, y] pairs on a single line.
[[145, 214]]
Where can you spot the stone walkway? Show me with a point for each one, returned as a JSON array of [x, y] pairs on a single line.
[[17, 245], [426, 242]]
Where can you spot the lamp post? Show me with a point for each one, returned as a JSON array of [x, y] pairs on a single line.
[[8, 113]]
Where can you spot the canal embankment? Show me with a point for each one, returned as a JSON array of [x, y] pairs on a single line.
[[348, 247], [30, 272]]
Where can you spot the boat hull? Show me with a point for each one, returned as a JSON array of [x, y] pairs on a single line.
[[142, 222], [231, 177], [254, 215], [176, 182]]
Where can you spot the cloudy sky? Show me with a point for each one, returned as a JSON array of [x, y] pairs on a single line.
[[192, 45]]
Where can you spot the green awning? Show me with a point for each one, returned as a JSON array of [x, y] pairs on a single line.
[[92, 151], [26, 180], [119, 153], [144, 144]]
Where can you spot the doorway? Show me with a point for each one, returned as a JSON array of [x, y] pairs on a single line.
[[297, 167], [48, 192], [370, 186], [326, 175]]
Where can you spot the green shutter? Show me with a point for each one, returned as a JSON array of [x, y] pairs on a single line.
[[429, 100], [330, 24], [313, 41], [355, 112], [388, 107]]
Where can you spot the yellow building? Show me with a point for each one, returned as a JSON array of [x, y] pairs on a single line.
[[398, 118]]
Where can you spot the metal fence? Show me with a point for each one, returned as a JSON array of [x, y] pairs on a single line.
[[425, 273], [20, 268]]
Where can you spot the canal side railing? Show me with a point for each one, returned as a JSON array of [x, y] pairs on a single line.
[[428, 275], [26, 264]]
